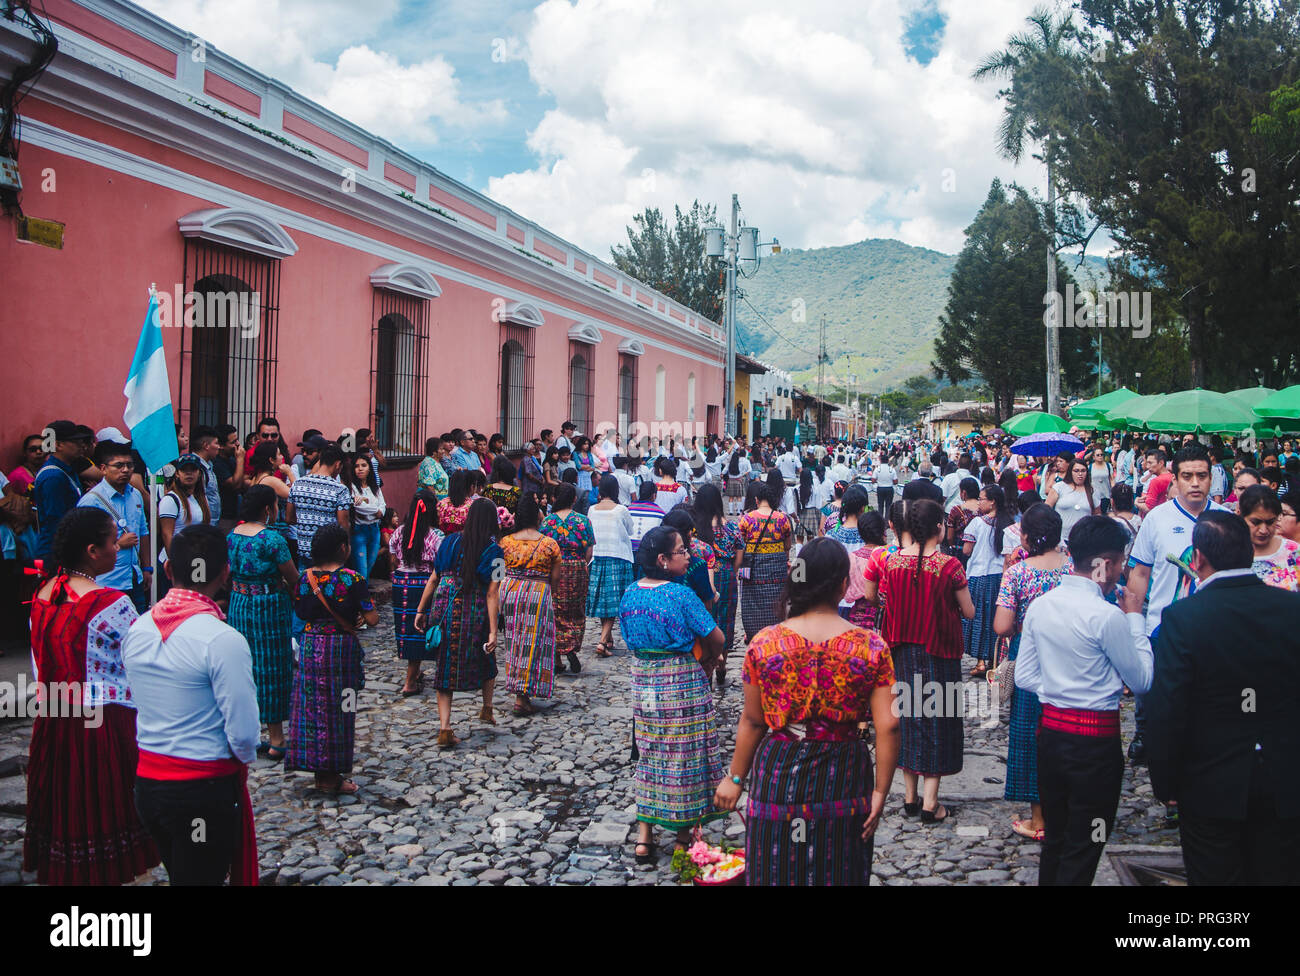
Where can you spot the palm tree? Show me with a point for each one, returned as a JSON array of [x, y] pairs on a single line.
[[1039, 63]]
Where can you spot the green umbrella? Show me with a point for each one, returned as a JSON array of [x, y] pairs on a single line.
[[1036, 422], [1201, 412], [1251, 395], [1094, 409], [1283, 403], [1132, 413]]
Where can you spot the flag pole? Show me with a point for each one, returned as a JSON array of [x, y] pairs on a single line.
[[153, 510]]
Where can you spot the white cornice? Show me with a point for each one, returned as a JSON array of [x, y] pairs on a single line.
[[630, 347], [57, 140], [245, 230], [522, 313], [585, 332], [102, 84], [407, 279]]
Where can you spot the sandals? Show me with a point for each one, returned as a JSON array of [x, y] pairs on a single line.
[[276, 753], [929, 819], [523, 711], [604, 650], [344, 788], [651, 852], [1022, 828], [447, 739], [911, 809], [419, 686]]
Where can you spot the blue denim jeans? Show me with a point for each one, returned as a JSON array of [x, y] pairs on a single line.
[[365, 548]]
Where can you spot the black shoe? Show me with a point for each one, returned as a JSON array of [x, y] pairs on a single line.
[[574, 664], [911, 809], [1137, 751], [929, 819]]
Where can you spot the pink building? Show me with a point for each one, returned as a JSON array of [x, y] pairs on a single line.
[[305, 267]]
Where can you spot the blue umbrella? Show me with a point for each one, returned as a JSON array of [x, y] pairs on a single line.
[[1046, 444]]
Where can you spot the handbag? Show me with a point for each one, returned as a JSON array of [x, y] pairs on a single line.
[[315, 588], [1003, 676], [746, 571]]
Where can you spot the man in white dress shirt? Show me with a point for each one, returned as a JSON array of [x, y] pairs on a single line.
[[1077, 652], [790, 466], [197, 721]]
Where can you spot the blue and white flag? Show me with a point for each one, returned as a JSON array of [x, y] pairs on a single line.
[[148, 412]]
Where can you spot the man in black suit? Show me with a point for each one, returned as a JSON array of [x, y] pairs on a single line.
[[1223, 715]]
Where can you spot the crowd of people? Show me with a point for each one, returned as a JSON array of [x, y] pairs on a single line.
[[1067, 582]]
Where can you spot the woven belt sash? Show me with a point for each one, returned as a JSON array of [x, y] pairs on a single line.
[[254, 589], [1081, 721]]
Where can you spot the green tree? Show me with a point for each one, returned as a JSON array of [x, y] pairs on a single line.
[[671, 260], [1163, 145], [1041, 64], [994, 320]]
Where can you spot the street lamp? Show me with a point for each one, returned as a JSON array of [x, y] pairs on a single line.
[[1137, 382], [734, 246]]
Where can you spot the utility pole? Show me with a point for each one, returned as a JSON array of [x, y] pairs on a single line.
[[1053, 330], [729, 314]]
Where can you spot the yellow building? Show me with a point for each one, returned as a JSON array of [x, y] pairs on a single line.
[[745, 367]]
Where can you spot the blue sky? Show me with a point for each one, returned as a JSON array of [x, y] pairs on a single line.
[[835, 120]]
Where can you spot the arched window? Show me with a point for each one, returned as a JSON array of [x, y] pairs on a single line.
[[397, 375], [690, 397], [661, 391], [232, 378], [581, 356], [516, 385], [626, 391]]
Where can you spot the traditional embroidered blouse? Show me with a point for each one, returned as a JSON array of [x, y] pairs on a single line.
[[924, 612], [801, 681], [774, 532], [573, 532]]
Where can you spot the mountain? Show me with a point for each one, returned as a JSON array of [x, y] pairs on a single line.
[[881, 300]]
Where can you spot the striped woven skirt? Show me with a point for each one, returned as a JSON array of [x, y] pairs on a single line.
[[326, 685], [82, 825], [811, 521], [460, 662], [675, 728], [610, 576], [407, 590], [932, 744], [760, 593], [1022, 741], [977, 634], [570, 598], [724, 608], [808, 801], [263, 614], [529, 634]]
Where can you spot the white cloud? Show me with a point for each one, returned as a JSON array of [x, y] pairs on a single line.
[[290, 40], [813, 113]]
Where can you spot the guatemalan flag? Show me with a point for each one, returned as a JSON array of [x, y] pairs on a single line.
[[148, 412]]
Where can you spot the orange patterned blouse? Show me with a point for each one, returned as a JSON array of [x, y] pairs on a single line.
[[532, 556], [801, 681]]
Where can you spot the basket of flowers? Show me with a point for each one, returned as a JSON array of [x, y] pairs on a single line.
[[709, 865]]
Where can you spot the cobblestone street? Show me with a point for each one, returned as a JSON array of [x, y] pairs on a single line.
[[548, 799]]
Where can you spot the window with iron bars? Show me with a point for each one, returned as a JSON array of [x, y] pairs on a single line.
[[229, 355], [626, 392], [515, 385], [581, 384], [399, 344]]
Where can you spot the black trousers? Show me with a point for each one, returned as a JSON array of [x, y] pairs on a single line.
[[194, 824], [1079, 779], [885, 498], [1262, 849]]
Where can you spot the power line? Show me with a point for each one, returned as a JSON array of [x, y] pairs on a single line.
[[761, 318]]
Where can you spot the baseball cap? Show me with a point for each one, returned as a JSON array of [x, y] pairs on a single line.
[[188, 459], [307, 435], [111, 434], [315, 442], [63, 430]]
